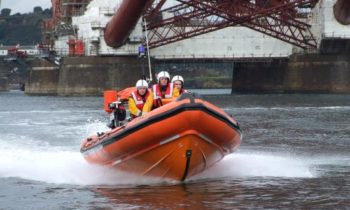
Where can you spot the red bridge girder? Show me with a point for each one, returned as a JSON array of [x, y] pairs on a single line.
[[276, 18]]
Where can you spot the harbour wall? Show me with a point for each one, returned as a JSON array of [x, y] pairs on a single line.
[[83, 76], [3, 76], [3, 84], [90, 76], [306, 73], [42, 78]]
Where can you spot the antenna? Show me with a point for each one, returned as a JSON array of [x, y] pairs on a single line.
[[148, 54]]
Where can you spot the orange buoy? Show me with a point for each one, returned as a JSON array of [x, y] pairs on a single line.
[[109, 96]]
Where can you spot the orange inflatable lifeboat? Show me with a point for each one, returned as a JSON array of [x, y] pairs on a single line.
[[176, 141]]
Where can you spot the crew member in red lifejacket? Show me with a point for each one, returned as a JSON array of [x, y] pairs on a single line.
[[141, 100], [178, 82], [163, 90]]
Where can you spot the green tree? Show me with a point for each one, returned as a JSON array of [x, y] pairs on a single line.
[[38, 10], [5, 12], [24, 29]]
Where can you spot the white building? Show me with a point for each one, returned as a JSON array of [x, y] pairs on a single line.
[[3, 50], [232, 42], [91, 31], [30, 50], [325, 26]]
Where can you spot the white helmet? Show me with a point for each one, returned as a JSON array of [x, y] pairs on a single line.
[[178, 78], [141, 83], [163, 74]]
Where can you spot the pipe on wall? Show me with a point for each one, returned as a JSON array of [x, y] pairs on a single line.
[[341, 10], [124, 20]]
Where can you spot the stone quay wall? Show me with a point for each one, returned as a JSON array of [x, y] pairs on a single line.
[[90, 76], [83, 76], [310, 73], [3, 76]]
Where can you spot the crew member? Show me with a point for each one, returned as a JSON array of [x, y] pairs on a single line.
[[141, 100], [178, 82], [162, 90]]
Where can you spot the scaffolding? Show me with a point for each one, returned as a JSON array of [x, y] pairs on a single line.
[[61, 21], [72, 8]]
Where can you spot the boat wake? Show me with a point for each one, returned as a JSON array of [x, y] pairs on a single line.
[[94, 126], [31, 159], [260, 165], [287, 108], [60, 165]]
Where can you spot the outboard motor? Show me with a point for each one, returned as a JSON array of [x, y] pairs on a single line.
[[118, 115], [115, 108]]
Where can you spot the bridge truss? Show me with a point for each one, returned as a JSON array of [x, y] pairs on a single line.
[[282, 19]]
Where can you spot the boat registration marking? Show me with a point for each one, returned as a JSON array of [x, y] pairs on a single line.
[[169, 139]]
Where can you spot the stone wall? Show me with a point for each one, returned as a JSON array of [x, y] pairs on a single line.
[[262, 76], [42, 78], [90, 76], [83, 76], [3, 76], [3, 84], [42, 81], [317, 73]]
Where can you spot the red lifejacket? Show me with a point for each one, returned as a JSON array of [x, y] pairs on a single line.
[[158, 95], [139, 100]]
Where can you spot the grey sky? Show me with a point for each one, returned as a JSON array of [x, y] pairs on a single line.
[[24, 6]]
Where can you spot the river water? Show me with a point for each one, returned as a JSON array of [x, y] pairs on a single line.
[[295, 154]]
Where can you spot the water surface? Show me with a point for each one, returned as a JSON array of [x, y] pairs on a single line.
[[294, 154]]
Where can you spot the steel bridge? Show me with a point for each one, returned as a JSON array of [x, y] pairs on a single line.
[[282, 19], [169, 21]]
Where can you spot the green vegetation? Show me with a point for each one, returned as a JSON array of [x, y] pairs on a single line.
[[23, 29]]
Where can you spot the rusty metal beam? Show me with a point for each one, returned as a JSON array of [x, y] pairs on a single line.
[[152, 12], [277, 20], [282, 26]]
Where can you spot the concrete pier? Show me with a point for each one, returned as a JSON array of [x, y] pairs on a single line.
[[83, 76], [259, 76], [42, 78], [318, 73], [3, 84], [3, 77], [314, 73], [90, 76]]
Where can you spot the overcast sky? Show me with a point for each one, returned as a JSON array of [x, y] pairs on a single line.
[[24, 6]]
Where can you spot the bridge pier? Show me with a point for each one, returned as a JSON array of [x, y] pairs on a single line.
[[42, 78], [3, 84], [83, 76], [90, 76], [316, 73], [260, 76], [3, 76], [319, 73]]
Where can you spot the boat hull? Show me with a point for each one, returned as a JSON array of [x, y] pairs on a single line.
[[176, 141]]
